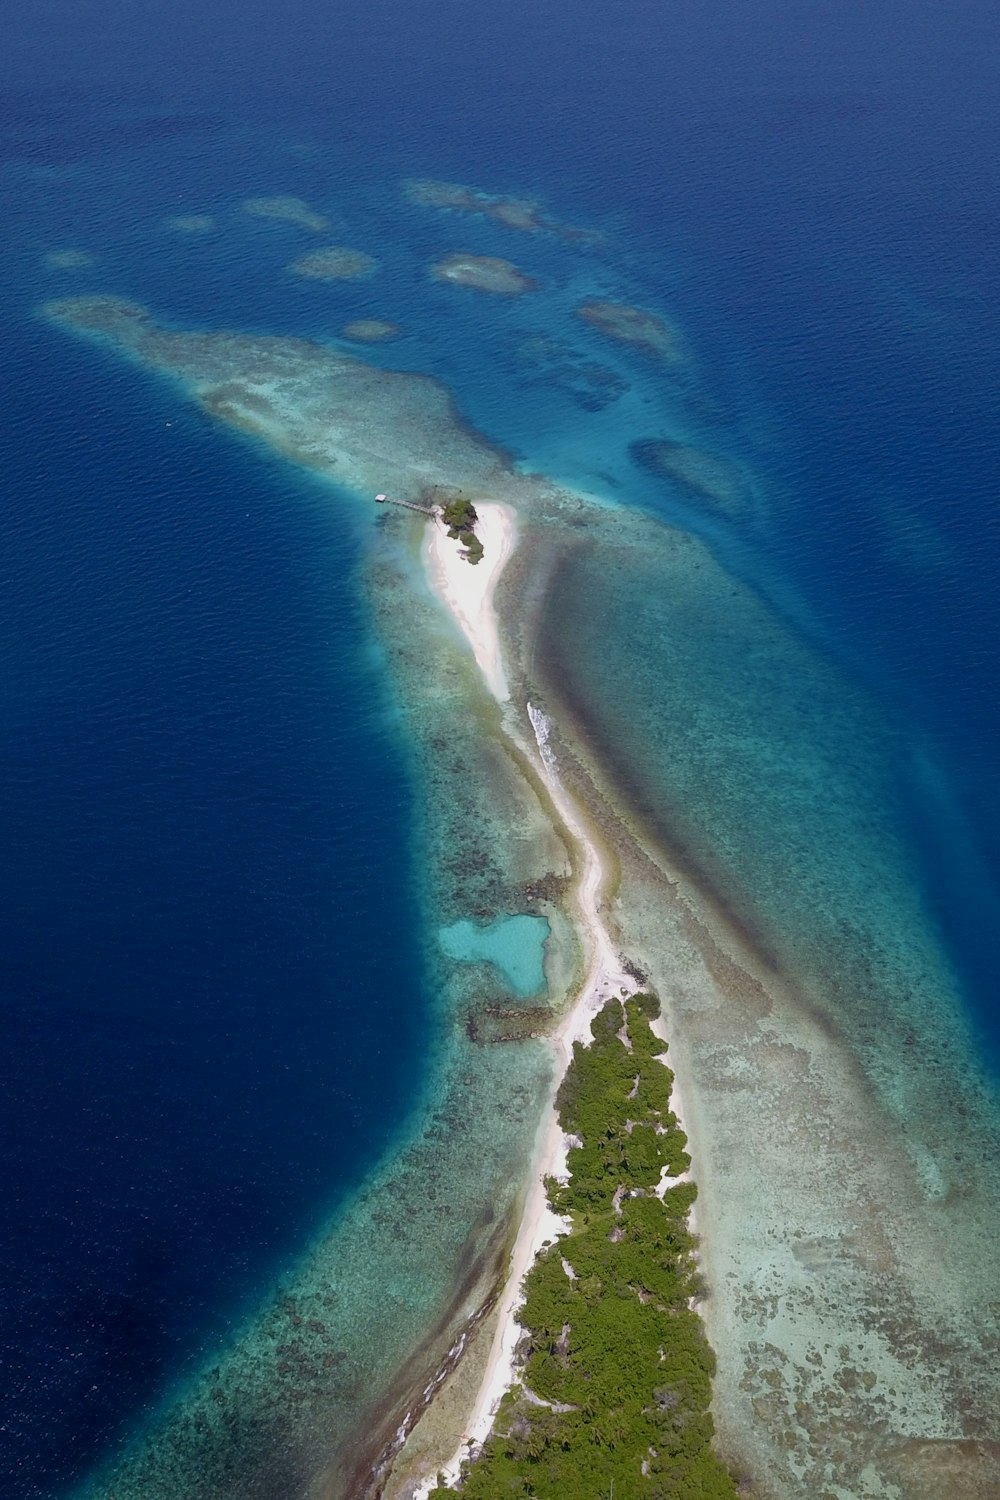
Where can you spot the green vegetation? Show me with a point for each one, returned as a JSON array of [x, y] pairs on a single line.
[[459, 514], [473, 546], [616, 1370], [460, 517]]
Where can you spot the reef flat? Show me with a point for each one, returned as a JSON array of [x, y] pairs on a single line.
[[814, 1018], [815, 1025], [368, 429]]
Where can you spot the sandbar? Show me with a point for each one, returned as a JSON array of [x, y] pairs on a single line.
[[468, 591]]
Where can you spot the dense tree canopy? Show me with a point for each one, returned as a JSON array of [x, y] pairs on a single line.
[[615, 1375]]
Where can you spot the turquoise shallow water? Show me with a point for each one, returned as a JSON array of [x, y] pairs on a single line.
[[213, 779], [514, 945]]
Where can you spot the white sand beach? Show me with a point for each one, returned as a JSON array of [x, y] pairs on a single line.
[[468, 592]]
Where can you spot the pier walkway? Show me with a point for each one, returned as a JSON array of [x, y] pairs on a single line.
[[423, 510]]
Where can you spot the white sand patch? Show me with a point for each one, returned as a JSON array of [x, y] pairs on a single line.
[[468, 589]]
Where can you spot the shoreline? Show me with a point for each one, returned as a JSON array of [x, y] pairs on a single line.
[[468, 593]]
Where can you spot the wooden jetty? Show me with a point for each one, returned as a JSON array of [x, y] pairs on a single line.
[[422, 510]]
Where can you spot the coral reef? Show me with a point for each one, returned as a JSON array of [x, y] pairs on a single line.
[[523, 214], [701, 476], [485, 273], [752, 808], [316, 404], [334, 263]]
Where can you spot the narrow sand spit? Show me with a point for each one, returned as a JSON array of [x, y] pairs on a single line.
[[468, 592]]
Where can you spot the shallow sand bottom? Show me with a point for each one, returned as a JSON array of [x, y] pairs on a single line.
[[514, 945]]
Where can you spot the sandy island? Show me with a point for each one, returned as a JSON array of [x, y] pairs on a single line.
[[468, 592]]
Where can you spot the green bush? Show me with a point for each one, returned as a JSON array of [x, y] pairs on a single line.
[[473, 546], [459, 514]]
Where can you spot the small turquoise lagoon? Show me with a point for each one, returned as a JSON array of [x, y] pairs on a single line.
[[513, 945]]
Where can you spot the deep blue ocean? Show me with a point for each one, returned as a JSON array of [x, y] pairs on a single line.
[[214, 1009]]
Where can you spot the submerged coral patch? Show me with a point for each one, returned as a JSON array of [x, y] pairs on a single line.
[[292, 210], [542, 360], [370, 330], [484, 273], [113, 317], [70, 260], [632, 325], [701, 476], [191, 223], [334, 263], [515, 213], [523, 214]]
